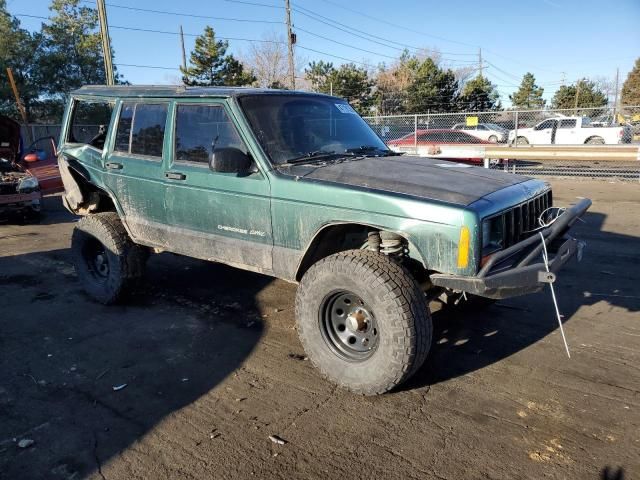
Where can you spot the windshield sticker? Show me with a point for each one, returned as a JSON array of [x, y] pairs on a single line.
[[453, 165], [345, 108]]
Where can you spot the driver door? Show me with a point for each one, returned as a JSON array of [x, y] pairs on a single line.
[[224, 217], [41, 160], [542, 133]]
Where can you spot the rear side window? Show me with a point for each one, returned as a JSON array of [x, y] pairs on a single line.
[[568, 123], [141, 129], [201, 129], [89, 122]]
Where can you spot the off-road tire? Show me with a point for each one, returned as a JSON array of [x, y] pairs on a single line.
[[125, 259], [398, 304]]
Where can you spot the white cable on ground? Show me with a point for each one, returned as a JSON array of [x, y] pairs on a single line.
[[545, 257]]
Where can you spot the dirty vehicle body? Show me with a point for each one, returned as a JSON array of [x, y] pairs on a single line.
[[297, 186], [19, 188]]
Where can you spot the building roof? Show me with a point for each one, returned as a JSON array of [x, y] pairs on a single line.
[[177, 91]]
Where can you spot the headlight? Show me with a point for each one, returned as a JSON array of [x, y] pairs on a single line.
[[28, 184], [492, 233]]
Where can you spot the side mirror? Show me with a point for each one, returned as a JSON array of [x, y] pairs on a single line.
[[230, 160], [31, 157]]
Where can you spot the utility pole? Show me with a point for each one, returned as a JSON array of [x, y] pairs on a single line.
[[615, 101], [184, 54], [562, 80], [577, 95], [19, 104], [291, 37], [106, 42], [480, 60]]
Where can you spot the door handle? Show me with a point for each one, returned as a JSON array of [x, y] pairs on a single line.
[[175, 175], [114, 166]]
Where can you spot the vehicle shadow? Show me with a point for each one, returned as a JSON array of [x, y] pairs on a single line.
[[86, 381], [465, 341]]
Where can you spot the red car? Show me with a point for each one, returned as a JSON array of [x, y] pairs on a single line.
[[441, 143], [24, 180]]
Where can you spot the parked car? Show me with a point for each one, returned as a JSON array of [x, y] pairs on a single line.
[[442, 143], [19, 188], [484, 131], [297, 186], [570, 131]]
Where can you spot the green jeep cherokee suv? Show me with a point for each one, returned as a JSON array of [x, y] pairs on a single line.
[[297, 186]]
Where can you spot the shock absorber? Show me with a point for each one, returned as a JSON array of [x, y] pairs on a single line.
[[389, 243]]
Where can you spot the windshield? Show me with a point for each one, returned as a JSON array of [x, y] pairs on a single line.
[[291, 127]]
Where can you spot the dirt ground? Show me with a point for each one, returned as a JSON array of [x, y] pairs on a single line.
[[213, 367]]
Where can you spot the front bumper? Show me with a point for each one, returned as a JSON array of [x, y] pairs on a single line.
[[19, 201], [510, 272]]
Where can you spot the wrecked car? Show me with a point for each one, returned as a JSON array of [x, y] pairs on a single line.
[[19, 189], [297, 186]]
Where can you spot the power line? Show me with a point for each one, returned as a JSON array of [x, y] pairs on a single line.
[[344, 44], [191, 15], [360, 33], [166, 32], [255, 4], [403, 27]]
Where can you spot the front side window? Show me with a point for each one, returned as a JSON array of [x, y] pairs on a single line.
[[141, 129], [568, 123], [291, 126], [89, 122], [546, 124], [202, 129]]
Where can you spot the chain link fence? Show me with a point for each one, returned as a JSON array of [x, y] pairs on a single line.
[[465, 135]]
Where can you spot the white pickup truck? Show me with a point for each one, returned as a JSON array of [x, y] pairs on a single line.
[[570, 131]]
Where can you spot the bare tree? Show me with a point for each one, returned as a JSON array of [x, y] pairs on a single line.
[[268, 60]]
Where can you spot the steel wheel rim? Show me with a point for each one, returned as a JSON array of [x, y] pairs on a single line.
[[97, 260], [348, 326]]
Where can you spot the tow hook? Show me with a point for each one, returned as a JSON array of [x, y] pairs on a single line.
[[546, 277]]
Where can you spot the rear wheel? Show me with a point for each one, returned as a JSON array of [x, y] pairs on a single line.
[[363, 321], [595, 141], [107, 262], [522, 141]]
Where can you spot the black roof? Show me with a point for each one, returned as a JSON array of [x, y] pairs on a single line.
[[177, 91]]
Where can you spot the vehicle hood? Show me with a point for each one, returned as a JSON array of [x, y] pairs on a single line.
[[9, 138], [425, 178]]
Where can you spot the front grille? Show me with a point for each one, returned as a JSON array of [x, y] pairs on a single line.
[[8, 188], [520, 221]]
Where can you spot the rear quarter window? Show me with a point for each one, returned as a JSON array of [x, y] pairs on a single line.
[[89, 122]]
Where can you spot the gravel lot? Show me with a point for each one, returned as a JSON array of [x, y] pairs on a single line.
[[213, 367]]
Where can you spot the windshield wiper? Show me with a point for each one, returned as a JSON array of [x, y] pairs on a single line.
[[309, 156], [370, 148]]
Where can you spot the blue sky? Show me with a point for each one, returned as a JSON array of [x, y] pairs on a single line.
[[554, 39]]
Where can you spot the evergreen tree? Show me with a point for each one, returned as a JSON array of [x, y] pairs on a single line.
[[529, 95], [479, 95], [20, 51], [631, 86], [582, 94], [212, 66], [431, 88], [348, 81], [73, 48]]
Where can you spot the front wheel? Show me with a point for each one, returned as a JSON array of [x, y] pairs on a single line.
[[595, 141], [363, 321], [493, 139]]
